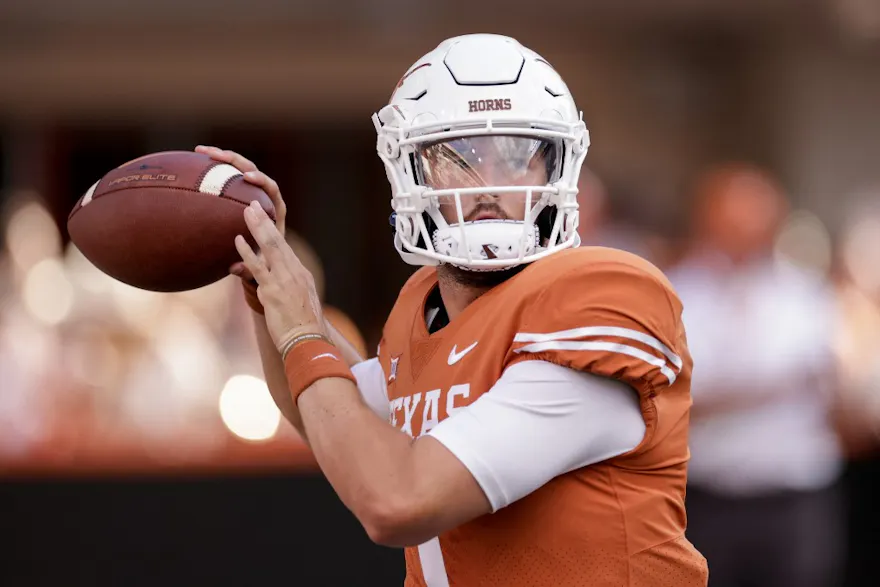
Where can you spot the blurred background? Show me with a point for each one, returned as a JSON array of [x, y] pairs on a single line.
[[735, 144]]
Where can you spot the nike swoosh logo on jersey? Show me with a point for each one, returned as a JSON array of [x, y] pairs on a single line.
[[455, 357], [331, 355]]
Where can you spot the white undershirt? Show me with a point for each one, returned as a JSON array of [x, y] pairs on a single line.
[[537, 422]]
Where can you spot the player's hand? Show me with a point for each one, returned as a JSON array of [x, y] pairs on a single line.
[[259, 179], [286, 288]]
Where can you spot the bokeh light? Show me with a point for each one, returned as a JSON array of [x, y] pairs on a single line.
[[247, 408], [31, 235], [47, 293]]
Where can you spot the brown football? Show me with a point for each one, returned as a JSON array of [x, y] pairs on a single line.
[[166, 221]]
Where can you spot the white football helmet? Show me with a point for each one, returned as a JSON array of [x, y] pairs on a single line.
[[471, 96]]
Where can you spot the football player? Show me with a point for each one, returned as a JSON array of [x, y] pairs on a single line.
[[525, 421]]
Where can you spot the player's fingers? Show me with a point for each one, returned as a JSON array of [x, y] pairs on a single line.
[[215, 153], [253, 262], [240, 162], [270, 186], [271, 243], [273, 246], [236, 160]]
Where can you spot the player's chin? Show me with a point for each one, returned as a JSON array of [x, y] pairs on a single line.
[[479, 279]]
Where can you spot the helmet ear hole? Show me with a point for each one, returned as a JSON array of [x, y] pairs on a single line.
[[544, 222]]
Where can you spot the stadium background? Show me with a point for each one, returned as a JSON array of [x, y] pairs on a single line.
[[116, 464]]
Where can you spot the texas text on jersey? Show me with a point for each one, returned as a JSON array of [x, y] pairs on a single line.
[[618, 522]]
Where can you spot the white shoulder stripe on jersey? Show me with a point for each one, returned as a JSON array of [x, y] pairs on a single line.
[[602, 331], [590, 345], [217, 178]]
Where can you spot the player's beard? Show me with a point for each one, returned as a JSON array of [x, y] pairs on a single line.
[[479, 280]]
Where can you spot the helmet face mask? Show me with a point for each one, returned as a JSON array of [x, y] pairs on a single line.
[[483, 156]]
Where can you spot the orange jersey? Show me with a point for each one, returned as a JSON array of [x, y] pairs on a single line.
[[615, 523]]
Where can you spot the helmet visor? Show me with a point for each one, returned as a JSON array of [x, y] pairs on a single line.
[[488, 160]]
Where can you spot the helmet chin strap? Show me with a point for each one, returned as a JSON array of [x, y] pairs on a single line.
[[487, 239]]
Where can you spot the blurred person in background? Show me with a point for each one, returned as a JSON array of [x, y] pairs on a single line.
[[857, 340], [489, 399], [857, 345], [763, 502]]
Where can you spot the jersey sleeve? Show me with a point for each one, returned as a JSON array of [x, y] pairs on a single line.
[[611, 319], [580, 419]]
